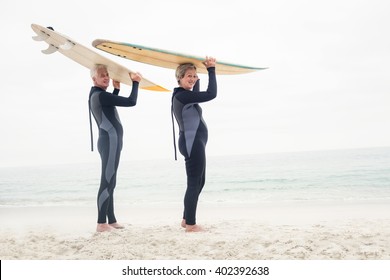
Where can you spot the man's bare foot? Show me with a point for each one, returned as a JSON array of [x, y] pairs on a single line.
[[183, 223], [116, 225], [193, 228], [103, 227]]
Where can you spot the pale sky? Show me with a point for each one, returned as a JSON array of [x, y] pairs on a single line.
[[327, 86]]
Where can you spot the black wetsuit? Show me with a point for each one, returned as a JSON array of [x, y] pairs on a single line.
[[192, 139], [102, 104]]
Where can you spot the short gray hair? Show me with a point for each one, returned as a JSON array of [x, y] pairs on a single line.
[[182, 69], [96, 68]]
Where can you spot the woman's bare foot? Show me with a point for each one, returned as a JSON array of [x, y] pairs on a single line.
[[116, 226], [183, 223], [193, 228], [103, 227]]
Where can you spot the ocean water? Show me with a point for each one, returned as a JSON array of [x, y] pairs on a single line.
[[359, 175]]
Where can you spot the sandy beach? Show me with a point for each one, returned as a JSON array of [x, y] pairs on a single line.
[[338, 231]]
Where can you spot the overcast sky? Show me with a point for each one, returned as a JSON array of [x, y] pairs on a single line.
[[327, 86]]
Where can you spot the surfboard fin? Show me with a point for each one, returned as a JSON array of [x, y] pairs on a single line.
[[51, 49], [41, 37]]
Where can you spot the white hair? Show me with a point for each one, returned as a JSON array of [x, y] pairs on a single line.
[[96, 68]]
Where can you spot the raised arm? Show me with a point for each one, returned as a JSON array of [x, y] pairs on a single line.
[[115, 100], [196, 96], [117, 87]]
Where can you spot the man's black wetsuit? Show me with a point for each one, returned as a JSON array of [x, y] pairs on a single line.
[[102, 104], [193, 138]]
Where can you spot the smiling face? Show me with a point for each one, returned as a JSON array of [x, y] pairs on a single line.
[[189, 79], [186, 75], [101, 78]]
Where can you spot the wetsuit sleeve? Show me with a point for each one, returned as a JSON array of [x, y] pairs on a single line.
[[116, 91], [186, 97], [196, 86], [108, 99]]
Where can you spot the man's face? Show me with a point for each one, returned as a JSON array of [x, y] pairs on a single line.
[[101, 79]]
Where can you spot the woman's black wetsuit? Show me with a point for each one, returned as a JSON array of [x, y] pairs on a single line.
[[102, 104], [192, 139]]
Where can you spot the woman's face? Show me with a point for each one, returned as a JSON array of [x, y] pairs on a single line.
[[189, 79]]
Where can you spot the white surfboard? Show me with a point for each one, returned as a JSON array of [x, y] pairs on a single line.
[[87, 57]]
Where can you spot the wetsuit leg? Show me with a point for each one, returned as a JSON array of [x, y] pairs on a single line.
[[196, 171], [105, 199], [110, 210]]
